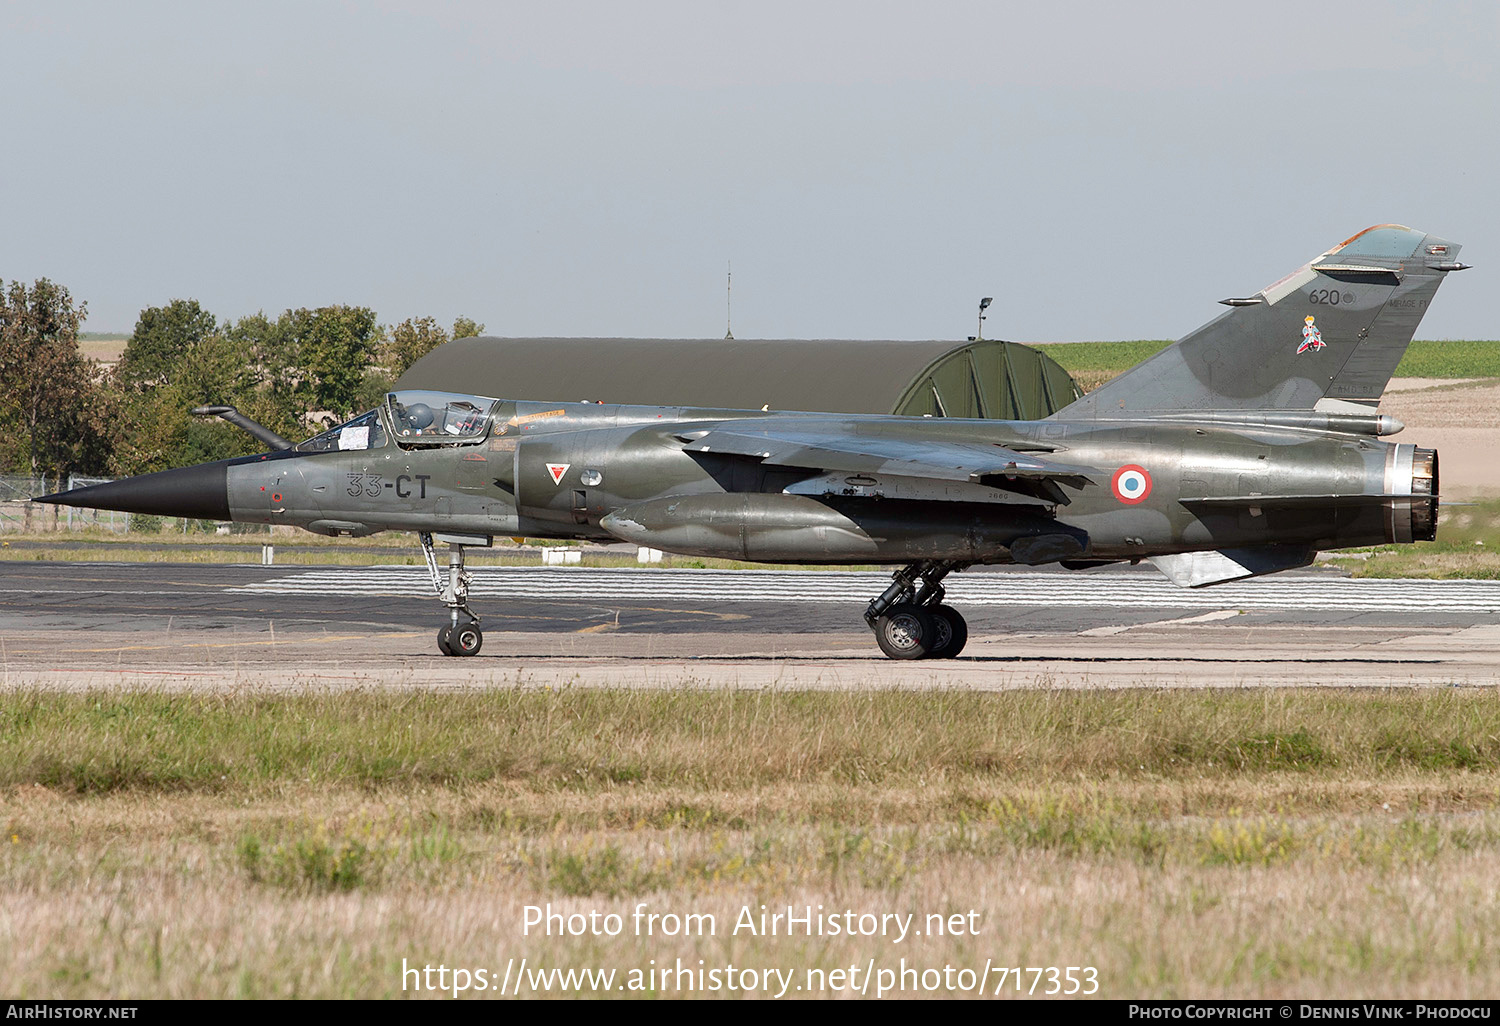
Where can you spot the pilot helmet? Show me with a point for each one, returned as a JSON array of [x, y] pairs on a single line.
[[419, 415]]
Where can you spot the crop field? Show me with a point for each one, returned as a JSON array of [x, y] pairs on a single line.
[[1183, 844], [1451, 358], [1093, 363]]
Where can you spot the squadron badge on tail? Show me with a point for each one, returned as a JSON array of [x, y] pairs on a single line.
[[1312, 338]]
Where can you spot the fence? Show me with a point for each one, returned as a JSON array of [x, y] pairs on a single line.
[[20, 515], [74, 519]]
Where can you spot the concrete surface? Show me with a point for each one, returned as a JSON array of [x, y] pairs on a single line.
[[216, 628]]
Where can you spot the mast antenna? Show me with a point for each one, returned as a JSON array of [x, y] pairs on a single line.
[[728, 298]]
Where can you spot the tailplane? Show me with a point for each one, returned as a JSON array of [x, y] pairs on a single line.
[[1326, 337]]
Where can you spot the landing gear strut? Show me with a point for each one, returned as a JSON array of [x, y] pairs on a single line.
[[909, 618], [454, 639]]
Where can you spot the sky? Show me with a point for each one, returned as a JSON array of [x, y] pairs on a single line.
[[871, 169]]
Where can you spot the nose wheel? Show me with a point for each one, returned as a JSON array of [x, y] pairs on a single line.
[[910, 619], [460, 641], [455, 638]]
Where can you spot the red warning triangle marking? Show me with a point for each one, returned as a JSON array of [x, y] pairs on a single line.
[[557, 470]]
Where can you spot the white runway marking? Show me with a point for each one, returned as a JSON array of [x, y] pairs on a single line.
[[1105, 632], [1121, 591]]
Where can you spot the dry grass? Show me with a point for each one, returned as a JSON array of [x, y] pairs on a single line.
[[300, 548], [1439, 560], [1185, 843], [1088, 380], [290, 555]]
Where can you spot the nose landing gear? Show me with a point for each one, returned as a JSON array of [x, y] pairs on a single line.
[[916, 624], [455, 639]]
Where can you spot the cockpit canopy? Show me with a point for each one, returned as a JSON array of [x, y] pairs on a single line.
[[437, 418], [413, 418]]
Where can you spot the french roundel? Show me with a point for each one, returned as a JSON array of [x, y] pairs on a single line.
[[1131, 484]]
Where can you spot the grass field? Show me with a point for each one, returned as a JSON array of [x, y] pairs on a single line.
[[1184, 843], [1093, 363], [1468, 546]]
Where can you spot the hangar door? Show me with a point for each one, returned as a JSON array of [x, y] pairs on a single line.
[[990, 380]]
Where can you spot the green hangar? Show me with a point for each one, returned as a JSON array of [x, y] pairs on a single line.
[[988, 379]]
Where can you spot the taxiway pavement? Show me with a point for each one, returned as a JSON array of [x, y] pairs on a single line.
[[216, 627]]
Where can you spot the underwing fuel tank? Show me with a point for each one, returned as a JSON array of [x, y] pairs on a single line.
[[773, 527]]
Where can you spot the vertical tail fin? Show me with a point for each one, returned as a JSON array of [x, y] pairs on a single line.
[[1327, 336]]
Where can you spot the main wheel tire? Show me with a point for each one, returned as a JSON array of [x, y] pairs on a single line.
[[466, 640], [445, 635], [951, 632], [905, 631]]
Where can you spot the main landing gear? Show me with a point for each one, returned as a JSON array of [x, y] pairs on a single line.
[[915, 624], [454, 639]]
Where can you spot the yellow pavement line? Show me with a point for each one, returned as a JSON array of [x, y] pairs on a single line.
[[234, 644], [693, 612]]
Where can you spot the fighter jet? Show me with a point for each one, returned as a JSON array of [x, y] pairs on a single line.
[[1242, 449]]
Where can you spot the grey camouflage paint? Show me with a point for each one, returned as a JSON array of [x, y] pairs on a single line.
[[1239, 448]]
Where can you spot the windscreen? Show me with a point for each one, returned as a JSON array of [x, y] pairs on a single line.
[[363, 432]]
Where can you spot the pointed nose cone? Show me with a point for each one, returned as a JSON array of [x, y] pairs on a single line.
[[200, 492]]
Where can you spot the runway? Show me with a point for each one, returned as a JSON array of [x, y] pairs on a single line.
[[216, 627], [1020, 589]]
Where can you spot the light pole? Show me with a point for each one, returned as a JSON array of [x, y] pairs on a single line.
[[984, 304]]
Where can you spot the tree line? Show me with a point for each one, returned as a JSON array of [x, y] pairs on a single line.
[[63, 413]]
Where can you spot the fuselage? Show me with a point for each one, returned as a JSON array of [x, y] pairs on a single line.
[[580, 470]]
